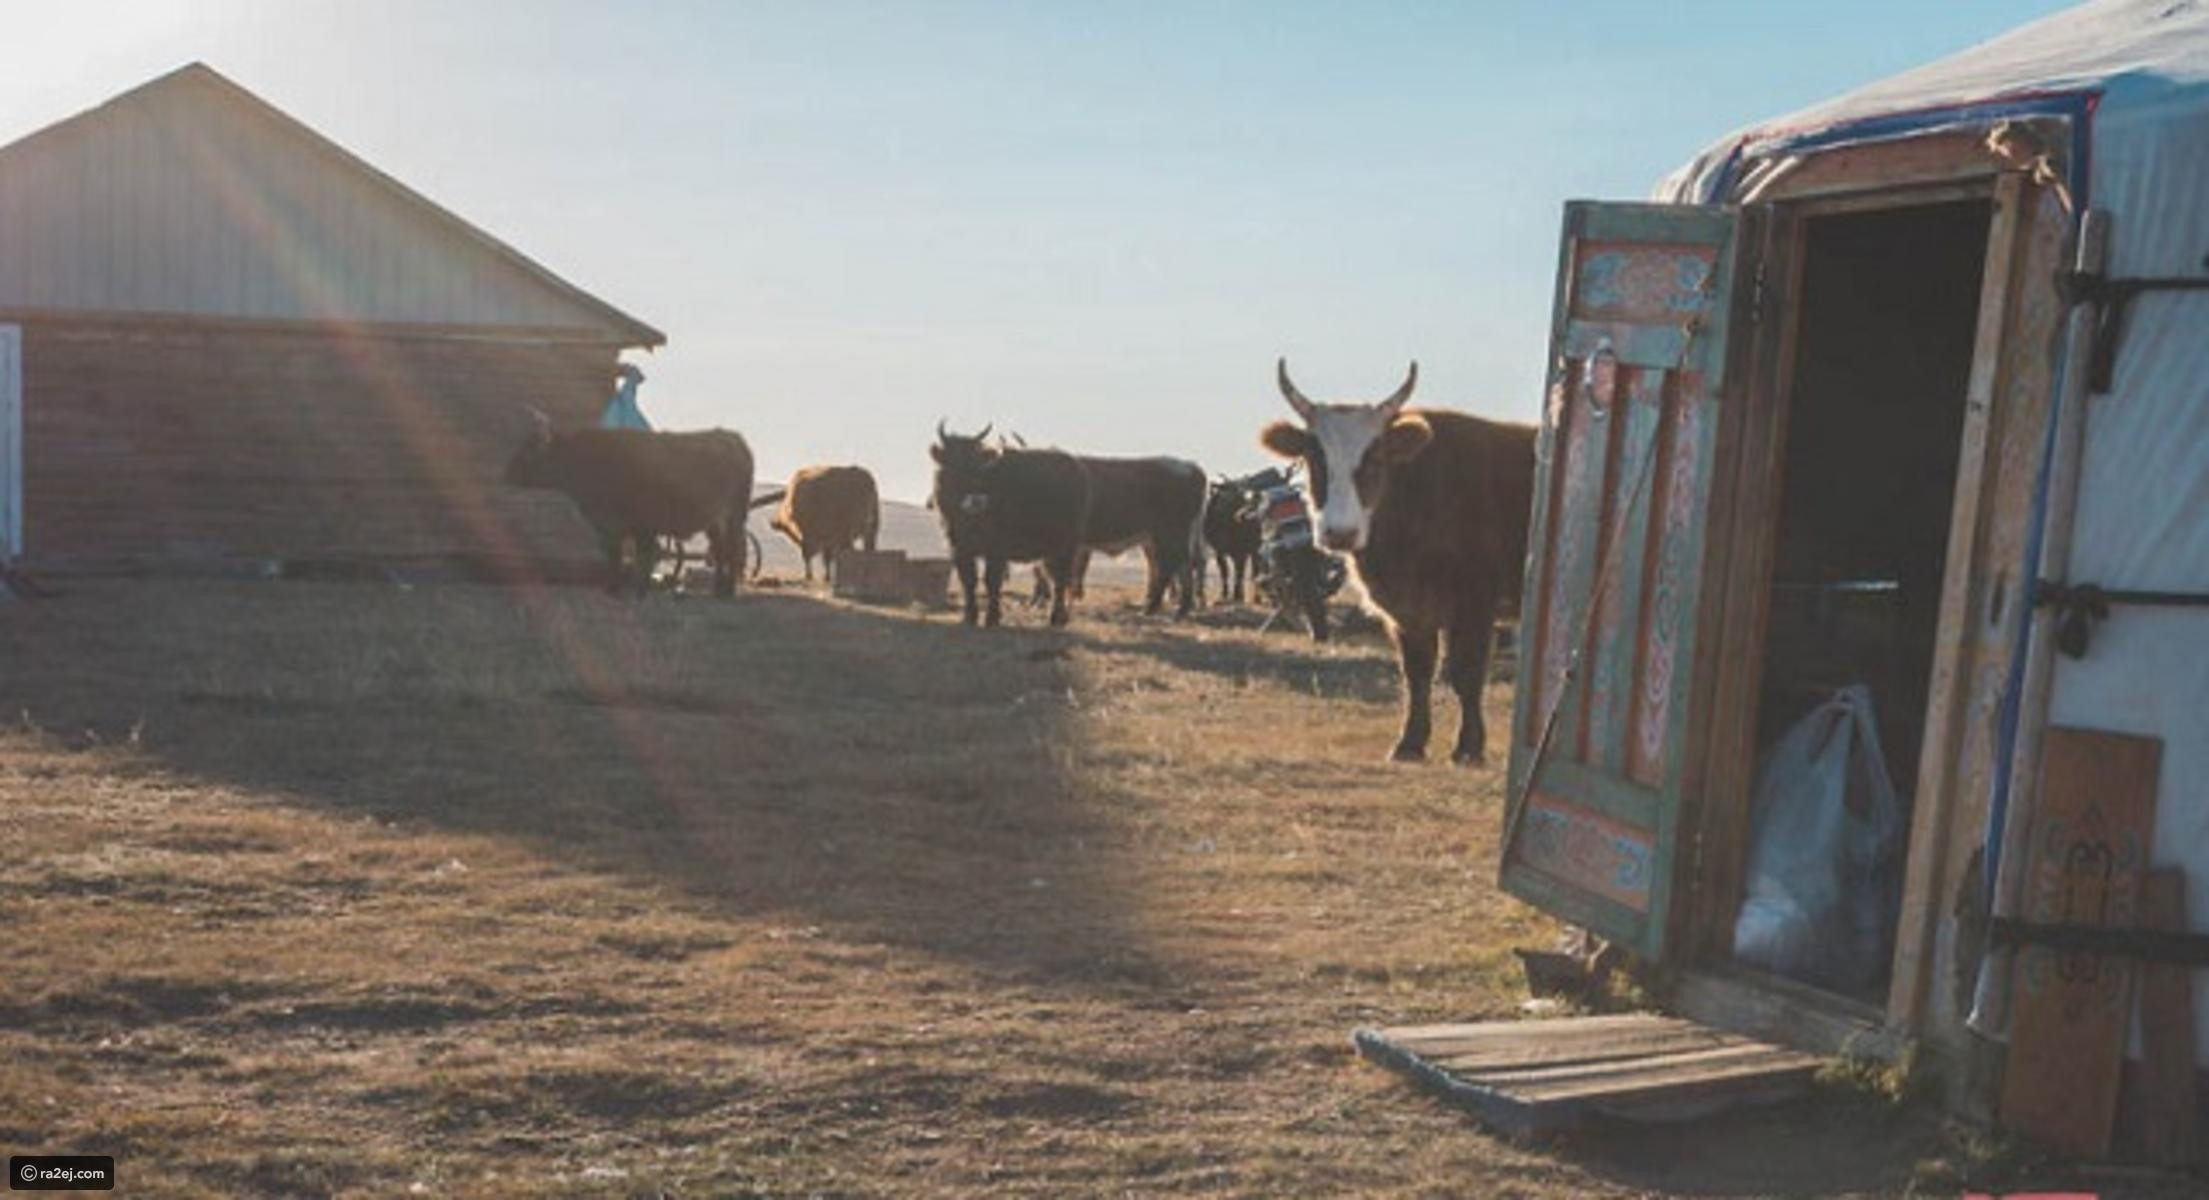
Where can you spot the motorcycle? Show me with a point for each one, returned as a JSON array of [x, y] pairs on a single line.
[[1293, 573]]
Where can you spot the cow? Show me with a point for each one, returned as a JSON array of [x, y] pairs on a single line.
[[1232, 530], [827, 509], [1156, 504], [1002, 505], [1431, 506], [637, 486]]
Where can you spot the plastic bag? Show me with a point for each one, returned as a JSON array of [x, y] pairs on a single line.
[[1824, 871]]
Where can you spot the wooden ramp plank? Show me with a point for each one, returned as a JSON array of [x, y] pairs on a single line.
[[1553, 1053], [1467, 1047], [1529, 1076]]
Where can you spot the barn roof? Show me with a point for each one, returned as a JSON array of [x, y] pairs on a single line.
[[191, 196]]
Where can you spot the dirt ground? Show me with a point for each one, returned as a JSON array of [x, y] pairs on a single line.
[[355, 889]]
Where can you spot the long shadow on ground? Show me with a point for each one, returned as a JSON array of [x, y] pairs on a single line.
[[911, 780], [1289, 660]]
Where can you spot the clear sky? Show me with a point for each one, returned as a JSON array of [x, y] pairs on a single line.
[[1095, 223]]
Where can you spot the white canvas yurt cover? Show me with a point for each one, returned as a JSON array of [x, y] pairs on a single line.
[[2131, 80]]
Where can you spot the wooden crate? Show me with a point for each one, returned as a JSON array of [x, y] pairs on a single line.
[[877, 575], [928, 581]]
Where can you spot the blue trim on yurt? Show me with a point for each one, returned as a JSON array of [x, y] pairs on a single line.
[[2013, 687], [2077, 106]]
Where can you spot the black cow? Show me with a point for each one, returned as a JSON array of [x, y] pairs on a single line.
[[1003, 505], [637, 486], [1153, 503], [1157, 504], [1233, 529]]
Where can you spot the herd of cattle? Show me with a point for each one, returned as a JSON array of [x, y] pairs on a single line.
[[1429, 506]]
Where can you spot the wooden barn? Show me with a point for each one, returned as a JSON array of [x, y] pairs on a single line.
[[1887, 422], [226, 342]]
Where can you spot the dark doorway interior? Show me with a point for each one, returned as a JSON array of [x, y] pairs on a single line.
[[1883, 357]]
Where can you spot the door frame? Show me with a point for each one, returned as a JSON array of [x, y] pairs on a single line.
[[1917, 171]]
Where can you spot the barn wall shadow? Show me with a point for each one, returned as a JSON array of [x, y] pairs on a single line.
[[903, 780]]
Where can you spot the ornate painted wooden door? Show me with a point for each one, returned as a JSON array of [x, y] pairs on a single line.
[[1618, 567]]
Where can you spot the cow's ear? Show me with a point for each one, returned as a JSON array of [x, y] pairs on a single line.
[[1405, 437], [1286, 439], [936, 452]]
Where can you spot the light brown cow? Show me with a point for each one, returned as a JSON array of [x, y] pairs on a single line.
[[827, 509]]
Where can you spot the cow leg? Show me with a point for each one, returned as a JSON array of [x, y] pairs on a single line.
[[1466, 664], [828, 564], [1059, 570], [1170, 567], [725, 546], [1189, 572], [648, 556], [1242, 574], [805, 552], [611, 545], [965, 567], [993, 577], [1155, 578], [1415, 652], [1080, 575]]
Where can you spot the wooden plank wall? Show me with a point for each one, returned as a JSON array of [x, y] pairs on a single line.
[[172, 444], [2167, 1113], [2090, 849]]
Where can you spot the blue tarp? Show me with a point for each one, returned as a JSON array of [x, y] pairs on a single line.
[[622, 411]]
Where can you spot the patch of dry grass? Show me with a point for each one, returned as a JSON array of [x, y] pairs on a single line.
[[325, 889]]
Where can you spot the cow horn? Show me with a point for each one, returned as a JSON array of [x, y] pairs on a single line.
[[985, 431], [941, 434], [1297, 400], [544, 422], [1403, 393]]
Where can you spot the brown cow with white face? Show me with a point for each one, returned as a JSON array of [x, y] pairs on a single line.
[[1432, 507]]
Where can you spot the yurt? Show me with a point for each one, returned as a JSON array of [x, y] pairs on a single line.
[[1866, 685]]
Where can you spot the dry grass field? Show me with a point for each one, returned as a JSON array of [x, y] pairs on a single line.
[[349, 889]]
